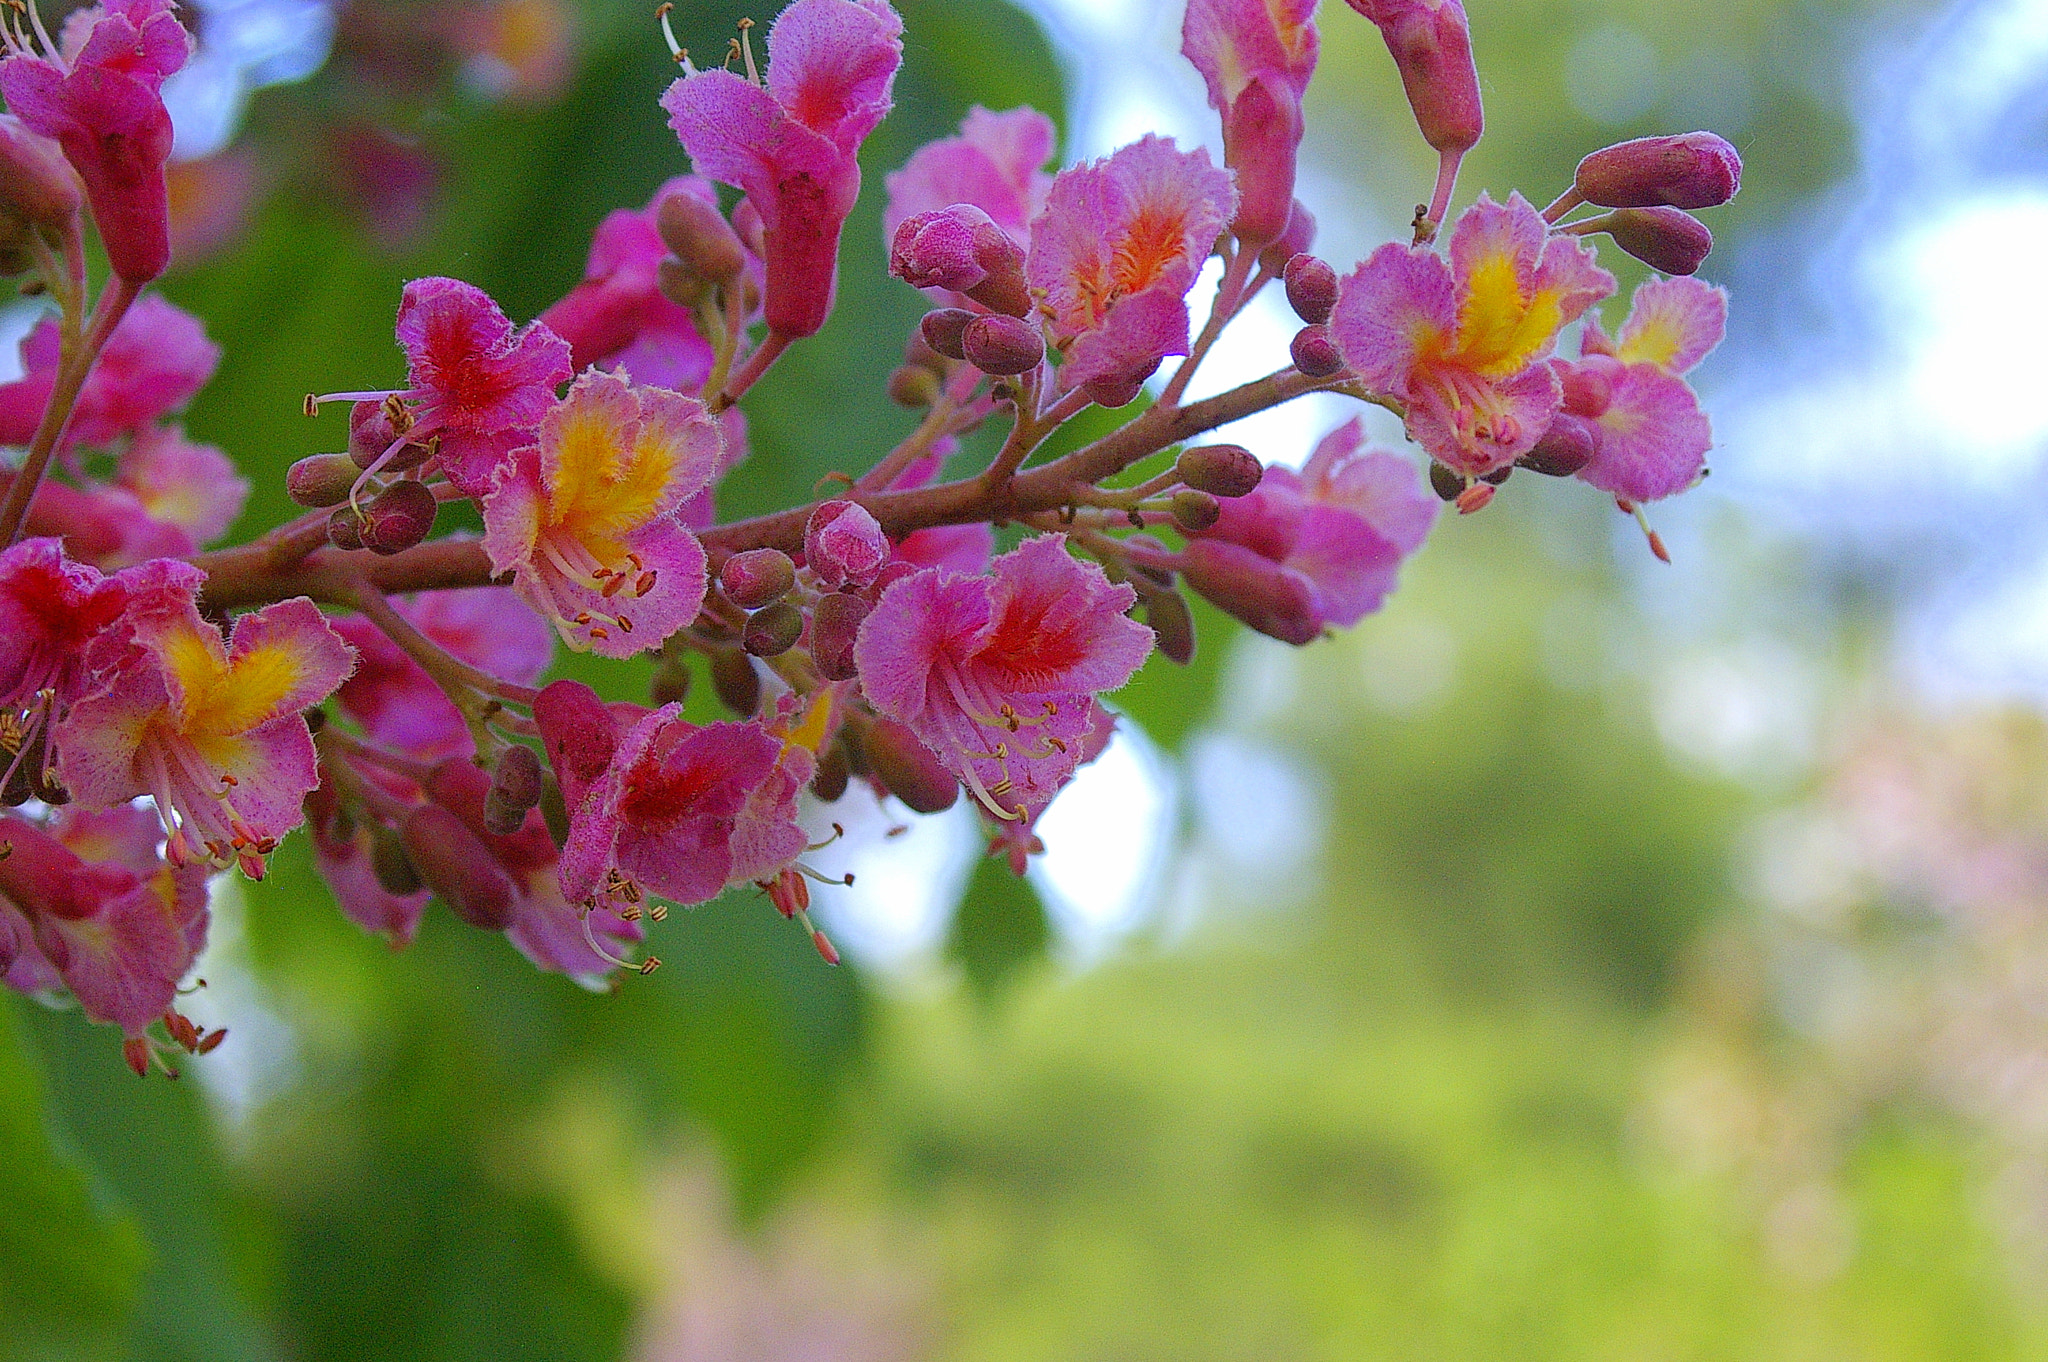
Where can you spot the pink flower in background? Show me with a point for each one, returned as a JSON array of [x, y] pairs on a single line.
[[683, 811], [1256, 57], [997, 674], [190, 487], [1116, 251], [103, 914], [343, 856], [589, 523], [394, 699], [98, 97], [1650, 438], [1323, 547], [1462, 341], [996, 163], [156, 360], [212, 728], [791, 147], [480, 385], [618, 317]]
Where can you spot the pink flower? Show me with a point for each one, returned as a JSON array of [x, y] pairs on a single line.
[[1305, 551], [995, 163], [997, 674], [1650, 438], [212, 728], [682, 812], [53, 615], [158, 358], [102, 914], [618, 316], [479, 385], [589, 520], [188, 487], [1116, 252], [343, 855], [98, 98], [1256, 56], [1462, 341], [791, 147], [393, 698]]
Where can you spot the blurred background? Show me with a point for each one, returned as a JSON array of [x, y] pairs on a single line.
[[1583, 959]]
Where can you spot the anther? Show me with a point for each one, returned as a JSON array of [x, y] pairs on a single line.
[[311, 406], [650, 964], [747, 50]]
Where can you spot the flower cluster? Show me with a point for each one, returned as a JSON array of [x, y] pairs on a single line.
[[873, 637]]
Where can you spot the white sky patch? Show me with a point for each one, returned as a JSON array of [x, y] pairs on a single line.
[[1261, 815], [259, 1058], [1107, 838], [245, 45]]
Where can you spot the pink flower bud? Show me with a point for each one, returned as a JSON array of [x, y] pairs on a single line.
[[942, 329], [1667, 239], [835, 623], [320, 479], [737, 683], [1315, 353], [371, 435], [1693, 170], [516, 785], [1253, 588], [1220, 470], [1311, 288], [1172, 625], [844, 545], [961, 248], [829, 781], [1431, 42], [36, 185], [579, 732], [456, 865], [1566, 447], [1004, 345], [757, 577], [700, 237], [345, 529], [773, 630], [1297, 237], [907, 768], [399, 517]]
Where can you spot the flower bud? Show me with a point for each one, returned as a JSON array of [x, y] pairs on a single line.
[[1253, 588], [1667, 239], [36, 183], [942, 328], [399, 517], [1220, 470], [1172, 624], [320, 479], [345, 528], [737, 683], [844, 545], [1447, 485], [457, 866], [1431, 43], [1314, 353], [907, 767], [961, 248], [757, 577], [670, 684], [1195, 510], [828, 782], [516, 784], [835, 623], [913, 385], [395, 872], [773, 630], [1692, 170], [915, 351], [1298, 236], [1565, 448], [700, 237], [680, 284], [371, 433], [1311, 288], [998, 344]]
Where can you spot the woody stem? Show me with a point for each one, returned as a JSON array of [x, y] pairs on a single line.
[[75, 365]]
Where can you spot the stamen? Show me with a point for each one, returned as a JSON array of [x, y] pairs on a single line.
[[747, 50], [1628, 507], [668, 35]]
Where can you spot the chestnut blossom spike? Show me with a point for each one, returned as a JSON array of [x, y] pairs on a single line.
[[997, 674], [790, 147], [99, 99], [1116, 251], [1256, 57], [212, 728], [1462, 341], [588, 521]]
